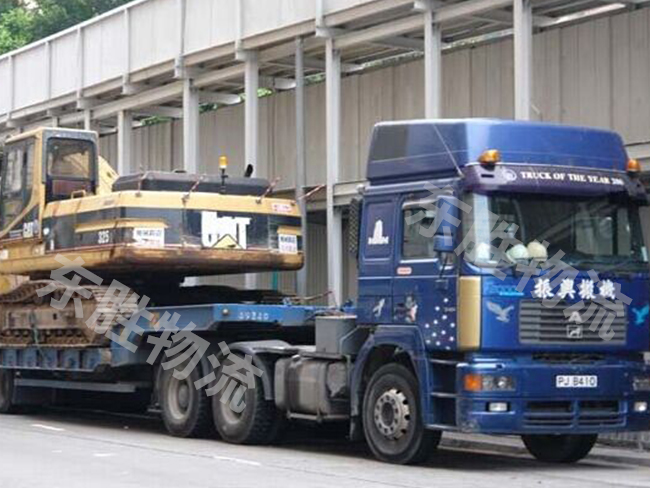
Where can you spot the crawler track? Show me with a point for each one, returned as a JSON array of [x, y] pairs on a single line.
[[27, 319]]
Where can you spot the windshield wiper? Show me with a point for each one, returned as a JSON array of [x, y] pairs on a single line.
[[639, 266], [608, 266]]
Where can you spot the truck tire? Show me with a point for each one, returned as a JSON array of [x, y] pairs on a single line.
[[392, 420], [185, 409], [260, 422], [559, 448], [7, 391]]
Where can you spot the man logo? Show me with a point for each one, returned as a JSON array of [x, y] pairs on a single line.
[[574, 332], [576, 318], [378, 238]]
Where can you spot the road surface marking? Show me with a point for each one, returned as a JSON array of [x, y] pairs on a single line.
[[237, 460], [48, 427], [104, 454]]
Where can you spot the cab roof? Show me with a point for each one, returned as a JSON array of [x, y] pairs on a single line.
[[53, 131], [416, 149]]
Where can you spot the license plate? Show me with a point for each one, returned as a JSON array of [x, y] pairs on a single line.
[[576, 381]]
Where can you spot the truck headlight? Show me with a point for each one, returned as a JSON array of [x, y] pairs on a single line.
[[489, 382], [641, 383]]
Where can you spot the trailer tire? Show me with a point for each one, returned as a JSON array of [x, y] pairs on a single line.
[[564, 449], [392, 420], [260, 422], [185, 409], [7, 404]]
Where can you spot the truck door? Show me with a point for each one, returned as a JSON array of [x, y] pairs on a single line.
[[376, 260], [424, 287]]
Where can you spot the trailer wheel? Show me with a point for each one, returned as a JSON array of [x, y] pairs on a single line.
[[185, 409], [559, 448], [392, 420], [259, 422], [7, 391]]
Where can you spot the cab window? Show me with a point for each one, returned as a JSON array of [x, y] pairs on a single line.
[[70, 167], [417, 230], [16, 181]]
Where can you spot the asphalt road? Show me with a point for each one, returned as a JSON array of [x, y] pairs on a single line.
[[91, 449]]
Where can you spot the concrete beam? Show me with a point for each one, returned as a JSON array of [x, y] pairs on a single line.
[[155, 96], [414, 22], [161, 111], [218, 97], [276, 83], [129, 88], [84, 103]]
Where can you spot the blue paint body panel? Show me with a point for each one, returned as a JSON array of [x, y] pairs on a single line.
[[204, 317], [209, 317], [537, 406], [418, 149]]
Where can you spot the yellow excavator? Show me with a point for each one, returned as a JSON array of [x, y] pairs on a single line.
[[62, 207]]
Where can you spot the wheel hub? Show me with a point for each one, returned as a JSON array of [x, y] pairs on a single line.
[[183, 396], [392, 414], [179, 398]]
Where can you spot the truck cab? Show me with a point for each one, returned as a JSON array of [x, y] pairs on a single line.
[[505, 263]]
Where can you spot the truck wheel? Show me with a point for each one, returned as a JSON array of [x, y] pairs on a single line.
[[7, 391], [260, 422], [559, 448], [392, 420], [185, 410]]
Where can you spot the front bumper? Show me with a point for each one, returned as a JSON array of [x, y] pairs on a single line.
[[538, 406]]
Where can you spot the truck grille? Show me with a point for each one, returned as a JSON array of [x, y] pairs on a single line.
[[573, 414], [540, 324]]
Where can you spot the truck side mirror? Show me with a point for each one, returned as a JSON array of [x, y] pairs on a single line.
[[354, 227], [443, 243], [447, 223]]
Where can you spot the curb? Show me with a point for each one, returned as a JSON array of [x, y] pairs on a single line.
[[511, 445]]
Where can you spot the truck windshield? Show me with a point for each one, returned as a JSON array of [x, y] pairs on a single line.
[[502, 230]]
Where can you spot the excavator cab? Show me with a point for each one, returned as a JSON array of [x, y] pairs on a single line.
[[39, 167], [71, 167]]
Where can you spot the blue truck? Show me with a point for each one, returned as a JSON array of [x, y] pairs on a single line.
[[503, 289]]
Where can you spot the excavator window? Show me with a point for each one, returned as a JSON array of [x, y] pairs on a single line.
[[16, 180], [70, 168]]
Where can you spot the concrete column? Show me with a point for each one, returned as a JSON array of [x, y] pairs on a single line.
[[252, 82], [251, 121], [301, 180], [190, 127], [124, 143], [333, 139], [523, 53], [89, 122], [432, 67]]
